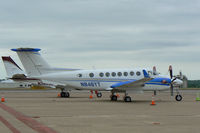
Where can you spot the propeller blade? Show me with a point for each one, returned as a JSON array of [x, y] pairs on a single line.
[[172, 89], [154, 70], [170, 71], [181, 75]]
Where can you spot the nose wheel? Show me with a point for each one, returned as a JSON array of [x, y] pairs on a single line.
[[178, 97]]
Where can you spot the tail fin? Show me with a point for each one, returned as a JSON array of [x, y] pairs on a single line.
[[32, 61], [11, 67]]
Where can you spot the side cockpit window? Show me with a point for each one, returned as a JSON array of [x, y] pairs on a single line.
[[80, 75]]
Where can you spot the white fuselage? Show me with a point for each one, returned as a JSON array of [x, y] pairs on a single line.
[[103, 79]]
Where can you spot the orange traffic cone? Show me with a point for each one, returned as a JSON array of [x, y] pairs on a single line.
[[2, 99], [58, 95], [91, 97], [153, 102]]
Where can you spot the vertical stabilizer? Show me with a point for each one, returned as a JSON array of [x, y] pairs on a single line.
[[32, 61], [11, 67]]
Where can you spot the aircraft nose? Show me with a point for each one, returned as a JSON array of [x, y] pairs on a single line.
[[178, 82]]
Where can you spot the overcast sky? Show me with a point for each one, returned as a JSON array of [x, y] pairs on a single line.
[[105, 33]]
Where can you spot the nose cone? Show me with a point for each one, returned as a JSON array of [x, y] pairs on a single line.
[[177, 82]]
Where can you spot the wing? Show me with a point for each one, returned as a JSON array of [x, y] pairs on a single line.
[[132, 84]]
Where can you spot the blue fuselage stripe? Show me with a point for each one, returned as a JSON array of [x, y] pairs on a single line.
[[148, 83]]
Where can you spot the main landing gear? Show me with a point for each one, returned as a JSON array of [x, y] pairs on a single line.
[[64, 94], [113, 97], [127, 98]]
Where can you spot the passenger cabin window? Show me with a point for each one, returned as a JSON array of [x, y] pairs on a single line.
[[131, 73], [101, 74], [107, 74], [91, 75], [119, 74], [113, 74], [125, 74], [138, 73]]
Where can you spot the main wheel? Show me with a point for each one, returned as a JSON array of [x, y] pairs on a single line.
[[113, 98], [127, 99], [178, 97], [99, 94], [64, 94], [67, 94]]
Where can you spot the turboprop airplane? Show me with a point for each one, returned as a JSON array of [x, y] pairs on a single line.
[[16, 74], [114, 80]]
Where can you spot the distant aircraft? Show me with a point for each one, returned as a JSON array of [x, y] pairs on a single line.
[[11, 67], [14, 73], [114, 80], [17, 75]]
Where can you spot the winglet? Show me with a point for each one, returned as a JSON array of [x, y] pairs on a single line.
[[146, 75]]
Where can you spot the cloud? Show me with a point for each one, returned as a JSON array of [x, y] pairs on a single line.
[[120, 33]]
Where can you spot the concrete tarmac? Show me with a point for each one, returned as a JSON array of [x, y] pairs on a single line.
[[44, 112]]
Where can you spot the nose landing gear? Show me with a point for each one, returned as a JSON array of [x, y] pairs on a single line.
[[178, 97]]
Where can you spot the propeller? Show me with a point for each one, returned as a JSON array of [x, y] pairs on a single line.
[[154, 70], [171, 84], [181, 75]]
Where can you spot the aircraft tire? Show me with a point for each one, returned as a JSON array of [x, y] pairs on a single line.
[[178, 97], [65, 94], [62, 94], [113, 98], [127, 99], [99, 94]]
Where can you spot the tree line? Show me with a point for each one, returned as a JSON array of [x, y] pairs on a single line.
[[193, 83]]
